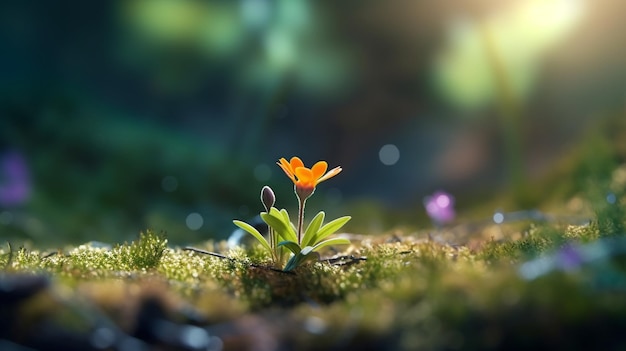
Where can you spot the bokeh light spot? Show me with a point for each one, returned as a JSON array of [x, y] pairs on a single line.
[[389, 154], [611, 198], [103, 338], [498, 217], [280, 48], [194, 221], [315, 325], [194, 337]]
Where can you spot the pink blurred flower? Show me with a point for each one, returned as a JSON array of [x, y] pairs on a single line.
[[440, 207]]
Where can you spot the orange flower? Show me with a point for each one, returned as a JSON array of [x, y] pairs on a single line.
[[306, 179]]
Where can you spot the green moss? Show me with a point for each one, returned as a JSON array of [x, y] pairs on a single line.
[[392, 292], [144, 253], [410, 294]]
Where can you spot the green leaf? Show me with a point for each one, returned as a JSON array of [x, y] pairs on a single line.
[[313, 228], [275, 212], [255, 233], [282, 227], [306, 250], [289, 230], [305, 255], [288, 222], [285, 215], [329, 228], [275, 223], [292, 263], [334, 241], [291, 246]]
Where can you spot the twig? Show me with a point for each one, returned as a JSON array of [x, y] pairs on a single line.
[[204, 252], [215, 254], [48, 255], [340, 261]]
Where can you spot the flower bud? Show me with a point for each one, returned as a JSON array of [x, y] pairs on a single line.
[[267, 198]]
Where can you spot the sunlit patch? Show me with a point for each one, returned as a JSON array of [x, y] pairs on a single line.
[[194, 221], [389, 154], [518, 36]]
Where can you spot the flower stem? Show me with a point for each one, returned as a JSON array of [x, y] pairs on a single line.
[[272, 238], [301, 203]]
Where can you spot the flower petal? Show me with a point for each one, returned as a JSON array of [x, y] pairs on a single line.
[[295, 163], [285, 164], [333, 172], [304, 175], [319, 169], [286, 167]]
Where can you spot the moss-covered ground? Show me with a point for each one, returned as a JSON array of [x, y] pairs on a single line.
[[555, 286], [552, 279]]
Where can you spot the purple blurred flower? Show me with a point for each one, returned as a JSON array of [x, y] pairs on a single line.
[[569, 258], [15, 186], [440, 207]]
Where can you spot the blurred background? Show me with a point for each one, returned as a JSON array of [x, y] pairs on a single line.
[[117, 116]]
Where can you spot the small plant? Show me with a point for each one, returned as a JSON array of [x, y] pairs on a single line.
[[146, 252], [302, 243]]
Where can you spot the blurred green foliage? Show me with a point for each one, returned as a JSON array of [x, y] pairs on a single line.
[[109, 101]]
